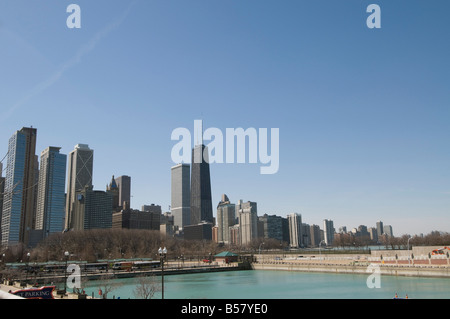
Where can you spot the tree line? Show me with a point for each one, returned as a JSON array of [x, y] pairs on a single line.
[[93, 245]]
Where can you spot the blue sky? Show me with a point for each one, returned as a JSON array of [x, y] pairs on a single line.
[[363, 113]]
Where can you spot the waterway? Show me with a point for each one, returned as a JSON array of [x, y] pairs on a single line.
[[266, 284]]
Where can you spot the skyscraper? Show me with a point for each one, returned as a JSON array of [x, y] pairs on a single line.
[[248, 221], [295, 229], [181, 195], [328, 231], [2, 190], [114, 191], [315, 235], [92, 209], [380, 229], [51, 191], [387, 230], [81, 161], [201, 203], [20, 188], [226, 213], [124, 185], [271, 227]]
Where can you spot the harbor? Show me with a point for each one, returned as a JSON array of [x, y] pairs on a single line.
[[419, 262]]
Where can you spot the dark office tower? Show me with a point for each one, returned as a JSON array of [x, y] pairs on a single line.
[[201, 204], [92, 209], [20, 184], [124, 185], [79, 175], [379, 228], [114, 191]]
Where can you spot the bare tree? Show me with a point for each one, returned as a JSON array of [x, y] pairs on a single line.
[[147, 287], [108, 284]]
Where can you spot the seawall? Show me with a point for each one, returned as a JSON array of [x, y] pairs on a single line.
[[357, 268]]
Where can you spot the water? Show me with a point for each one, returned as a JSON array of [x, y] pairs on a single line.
[[265, 284]]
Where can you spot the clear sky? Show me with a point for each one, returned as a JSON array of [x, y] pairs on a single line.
[[363, 114]]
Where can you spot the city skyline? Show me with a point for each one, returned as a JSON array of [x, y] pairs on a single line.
[[362, 113]]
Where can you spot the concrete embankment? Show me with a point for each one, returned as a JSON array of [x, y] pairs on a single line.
[[362, 268]]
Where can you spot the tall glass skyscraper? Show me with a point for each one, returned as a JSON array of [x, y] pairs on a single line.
[[201, 203], [20, 188], [51, 191], [328, 231]]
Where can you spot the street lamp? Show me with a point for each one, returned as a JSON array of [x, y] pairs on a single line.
[[409, 256], [320, 251], [162, 255], [66, 255], [260, 247], [28, 266]]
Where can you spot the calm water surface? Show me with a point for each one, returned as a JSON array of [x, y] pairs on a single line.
[[265, 284]]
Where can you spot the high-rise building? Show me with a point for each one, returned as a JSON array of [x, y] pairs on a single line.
[[201, 203], [92, 209], [328, 231], [306, 235], [272, 227], [124, 185], [295, 229], [248, 221], [379, 227], [373, 234], [181, 195], [315, 235], [20, 188], [226, 213], [200, 231], [387, 230], [114, 191], [2, 190], [80, 167], [135, 219], [51, 191]]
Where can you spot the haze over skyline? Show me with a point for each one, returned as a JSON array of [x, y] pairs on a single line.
[[363, 114]]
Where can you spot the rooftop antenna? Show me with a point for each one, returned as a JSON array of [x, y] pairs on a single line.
[[198, 127]]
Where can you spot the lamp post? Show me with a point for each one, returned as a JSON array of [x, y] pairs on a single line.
[[66, 255], [259, 249], [28, 266], [409, 256], [320, 251], [162, 255]]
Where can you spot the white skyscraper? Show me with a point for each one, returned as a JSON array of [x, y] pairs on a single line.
[[226, 212], [328, 231], [295, 229], [181, 195], [248, 221]]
